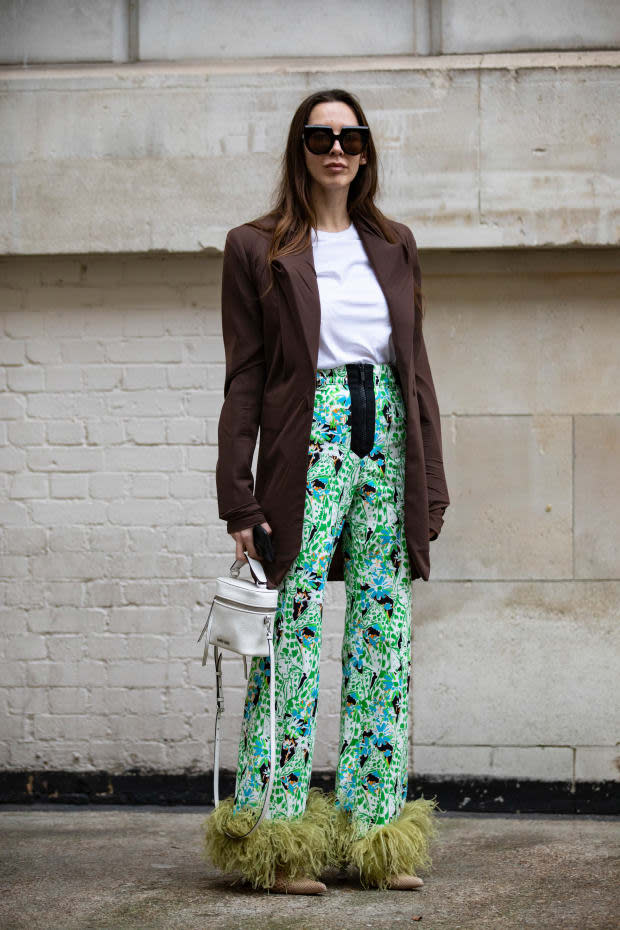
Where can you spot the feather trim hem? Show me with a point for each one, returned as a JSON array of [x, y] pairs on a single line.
[[400, 846], [299, 847]]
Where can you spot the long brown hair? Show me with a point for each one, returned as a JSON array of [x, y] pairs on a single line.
[[292, 215]]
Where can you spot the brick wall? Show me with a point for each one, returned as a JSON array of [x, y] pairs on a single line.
[[111, 384]]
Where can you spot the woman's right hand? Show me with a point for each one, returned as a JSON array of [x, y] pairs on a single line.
[[244, 540]]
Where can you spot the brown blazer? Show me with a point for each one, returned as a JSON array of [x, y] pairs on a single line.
[[271, 345]]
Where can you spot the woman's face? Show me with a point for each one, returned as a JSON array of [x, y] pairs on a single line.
[[336, 114]]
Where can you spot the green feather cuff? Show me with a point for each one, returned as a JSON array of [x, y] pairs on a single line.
[[400, 846], [323, 836], [300, 846]]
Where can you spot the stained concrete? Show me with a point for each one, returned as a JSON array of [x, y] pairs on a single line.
[[139, 868], [476, 151]]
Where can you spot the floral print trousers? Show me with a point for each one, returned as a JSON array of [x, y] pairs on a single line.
[[354, 487]]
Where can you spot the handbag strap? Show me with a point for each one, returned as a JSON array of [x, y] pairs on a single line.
[[272, 730], [256, 568]]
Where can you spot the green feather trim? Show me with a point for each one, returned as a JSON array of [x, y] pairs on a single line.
[[299, 846], [400, 846]]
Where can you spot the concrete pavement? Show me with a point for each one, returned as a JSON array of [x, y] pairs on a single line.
[[140, 868]]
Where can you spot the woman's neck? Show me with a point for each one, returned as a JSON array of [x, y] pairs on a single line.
[[331, 211]]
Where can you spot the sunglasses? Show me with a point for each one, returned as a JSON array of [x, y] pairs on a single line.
[[320, 139]]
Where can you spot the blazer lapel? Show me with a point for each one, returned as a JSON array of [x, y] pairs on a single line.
[[391, 265]]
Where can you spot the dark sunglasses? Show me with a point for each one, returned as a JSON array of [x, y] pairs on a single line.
[[320, 139]]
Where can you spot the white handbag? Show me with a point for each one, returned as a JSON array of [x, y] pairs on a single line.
[[241, 620]]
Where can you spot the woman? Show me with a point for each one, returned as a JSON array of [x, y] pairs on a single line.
[[322, 327]]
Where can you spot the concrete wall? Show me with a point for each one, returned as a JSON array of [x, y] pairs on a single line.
[[149, 30], [112, 377], [475, 153]]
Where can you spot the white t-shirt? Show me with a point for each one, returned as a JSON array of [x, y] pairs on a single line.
[[355, 319]]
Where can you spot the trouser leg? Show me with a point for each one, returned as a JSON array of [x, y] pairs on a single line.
[[295, 833], [376, 657], [381, 832]]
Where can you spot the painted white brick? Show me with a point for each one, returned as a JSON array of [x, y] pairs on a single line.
[[103, 377], [43, 351], [60, 304], [68, 513], [66, 647], [25, 378], [143, 593], [187, 377], [68, 486], [26, 433], [132, 727], [189, 485], [74, 727], [12, 459], [13, 514], [12, 407], [29, 700], [186, 432], [26, 594], [146, 350], [27, 485], [63, 378], [66, 700], [185, 539], [597, 763], [149, 486], [64, 593], [13, 621], [41, 755], [130, 458], [107, 646], [29, 646], [142, 647], [146, 674], [82, 351], [13, 674], [65, 433], [145, 404], [66, 674], [154, 512], [68, 539], [12, 352], [202, 458], [204, 404], [146, 432], [143, 377], [144, 619], [16, 728], [104, 431], [106, 325], [60, 459], [121, 700], [107, 486], [67, 619]]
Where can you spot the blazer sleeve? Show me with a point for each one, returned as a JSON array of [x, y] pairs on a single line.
[[430, 421], [243, 390]]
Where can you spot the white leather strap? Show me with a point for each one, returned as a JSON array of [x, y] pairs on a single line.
[[256, 568], [272, 729]]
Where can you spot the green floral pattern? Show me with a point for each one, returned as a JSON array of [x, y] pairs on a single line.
[[362, 498]]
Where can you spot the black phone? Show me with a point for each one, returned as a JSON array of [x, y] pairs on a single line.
[[263, 542]]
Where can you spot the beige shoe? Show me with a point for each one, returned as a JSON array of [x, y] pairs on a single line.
[[404, 882], [284, 885]]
